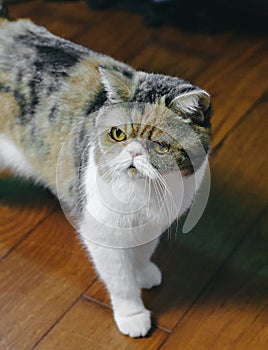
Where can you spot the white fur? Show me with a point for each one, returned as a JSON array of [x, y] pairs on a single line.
[[121, 245], [11, 157], [190, 102]]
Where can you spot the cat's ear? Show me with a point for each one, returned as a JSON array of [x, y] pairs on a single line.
[[119, 85], [194, 105]]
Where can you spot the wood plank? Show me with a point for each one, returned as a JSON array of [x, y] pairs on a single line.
[[237, 197], [40, 280], [22, 207], [90, 326], [119, 41], [65, 21], [242, 87], [174, 52], [156, 59], [206, 45], [45, 12], [233, 312]]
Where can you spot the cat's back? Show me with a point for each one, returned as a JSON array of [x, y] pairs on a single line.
[[22, 42], [38, 69], [32, 56]]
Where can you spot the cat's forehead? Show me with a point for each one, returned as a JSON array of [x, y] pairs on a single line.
[[138, 118], [153, 122], [143, 131]]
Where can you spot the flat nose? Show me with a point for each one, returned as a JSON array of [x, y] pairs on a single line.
[[134, 153], [135, 149]]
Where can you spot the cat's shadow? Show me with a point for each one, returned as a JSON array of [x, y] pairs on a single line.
[[224, 257], [15, 192]]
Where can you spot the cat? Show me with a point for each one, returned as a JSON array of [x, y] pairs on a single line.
[[116, 145]]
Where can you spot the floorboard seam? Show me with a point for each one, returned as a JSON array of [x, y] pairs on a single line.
[[27, 234], [88, 298], [62, 316], [96, 301], [243, 117]]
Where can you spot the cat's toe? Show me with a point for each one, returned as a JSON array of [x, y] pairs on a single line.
[[150, 276], [136, 325]]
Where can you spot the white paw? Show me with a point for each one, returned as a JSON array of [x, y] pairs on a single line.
[[150, 276], [136, 325]]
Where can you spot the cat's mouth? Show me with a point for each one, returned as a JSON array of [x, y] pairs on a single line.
[[136, 169], [132, 171]]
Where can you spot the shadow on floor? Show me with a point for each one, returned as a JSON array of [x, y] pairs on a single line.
[[18, 192]]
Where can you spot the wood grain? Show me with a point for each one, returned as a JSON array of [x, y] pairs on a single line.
[[246, 78], [90, 326], [22, 207], [233, 311], [40, 280]]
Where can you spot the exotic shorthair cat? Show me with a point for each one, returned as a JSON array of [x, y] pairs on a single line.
[[125, 151]]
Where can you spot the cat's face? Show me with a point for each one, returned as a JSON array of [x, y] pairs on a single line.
[[151, 125], [144, 140]]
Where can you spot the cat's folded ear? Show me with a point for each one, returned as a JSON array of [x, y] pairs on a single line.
[[119, 85], [194, 105]]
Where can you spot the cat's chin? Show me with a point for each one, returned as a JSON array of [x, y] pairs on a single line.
[[132, 171]]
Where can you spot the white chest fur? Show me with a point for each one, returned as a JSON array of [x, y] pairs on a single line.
[[131, 212]]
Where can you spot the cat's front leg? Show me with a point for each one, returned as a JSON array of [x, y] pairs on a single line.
[[116, 268], [148, 275]]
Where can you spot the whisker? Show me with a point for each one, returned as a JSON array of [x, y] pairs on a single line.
[[171, 201], [168, 200]]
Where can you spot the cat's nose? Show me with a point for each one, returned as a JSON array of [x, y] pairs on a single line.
[[134, 153], [135, 149]]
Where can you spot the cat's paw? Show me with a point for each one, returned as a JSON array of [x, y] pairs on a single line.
[[136, 325], [150, 276]]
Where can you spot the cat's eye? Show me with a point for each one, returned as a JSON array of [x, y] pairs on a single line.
[[161, 147], [117, 134]]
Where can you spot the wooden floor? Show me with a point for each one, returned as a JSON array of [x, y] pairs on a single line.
[[215, 289]]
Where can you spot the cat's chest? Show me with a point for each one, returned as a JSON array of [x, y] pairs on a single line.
[[122, 203]]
